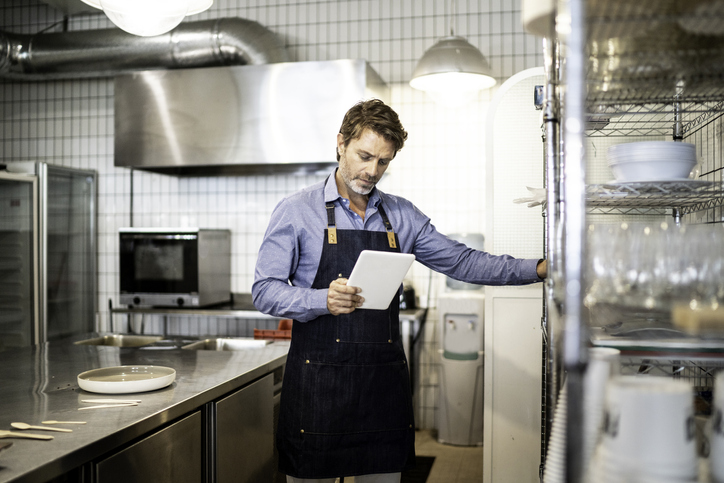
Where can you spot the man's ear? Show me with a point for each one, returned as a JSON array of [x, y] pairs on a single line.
[[340, 143]]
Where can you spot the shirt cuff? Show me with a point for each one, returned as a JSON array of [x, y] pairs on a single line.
[[319, 302], [529, 269]]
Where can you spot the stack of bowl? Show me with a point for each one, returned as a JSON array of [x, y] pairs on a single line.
[[648, 161]]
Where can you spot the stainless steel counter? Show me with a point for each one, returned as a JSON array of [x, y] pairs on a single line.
[[40, 384], [241, 307]]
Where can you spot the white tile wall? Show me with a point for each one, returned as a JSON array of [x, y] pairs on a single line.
[[441, 169]]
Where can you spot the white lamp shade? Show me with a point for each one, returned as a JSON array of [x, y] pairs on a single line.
[[452, 68], [149, 17], [198, 6], [195, 6]]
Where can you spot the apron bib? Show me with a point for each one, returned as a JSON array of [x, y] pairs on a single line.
[[346, 405]]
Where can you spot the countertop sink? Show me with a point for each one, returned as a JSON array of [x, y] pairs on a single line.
[[227, 344], [121, 340]]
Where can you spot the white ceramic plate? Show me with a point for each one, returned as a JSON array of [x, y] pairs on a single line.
[[126, 379]]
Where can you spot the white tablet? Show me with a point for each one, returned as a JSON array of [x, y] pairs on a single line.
[[379, 275]]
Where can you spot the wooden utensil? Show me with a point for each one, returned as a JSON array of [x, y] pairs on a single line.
[[53, 421], [41, 428], [109, 406], [13, 434], [110, 401]]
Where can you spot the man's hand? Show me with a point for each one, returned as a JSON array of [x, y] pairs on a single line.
[[542, 269], [342, 299]]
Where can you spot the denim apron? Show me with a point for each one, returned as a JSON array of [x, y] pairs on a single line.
[[346, 405]]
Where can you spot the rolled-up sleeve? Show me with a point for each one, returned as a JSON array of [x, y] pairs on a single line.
[[278, 261], [458, 261]]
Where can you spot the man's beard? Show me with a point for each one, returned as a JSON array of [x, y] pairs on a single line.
[[355, 184]]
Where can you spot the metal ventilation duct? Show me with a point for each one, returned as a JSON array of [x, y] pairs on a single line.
[[107, 52]]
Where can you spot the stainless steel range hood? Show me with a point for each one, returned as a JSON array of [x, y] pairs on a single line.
[[272, 118]]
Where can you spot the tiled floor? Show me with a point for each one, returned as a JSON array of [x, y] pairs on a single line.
[[453, 464]]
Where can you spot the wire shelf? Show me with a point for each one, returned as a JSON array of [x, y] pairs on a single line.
[[653, 68], [648, 55], [700, 373], [688, 196], [649, 119]]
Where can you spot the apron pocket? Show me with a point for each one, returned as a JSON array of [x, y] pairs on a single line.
[[348, 398], [375, 329]]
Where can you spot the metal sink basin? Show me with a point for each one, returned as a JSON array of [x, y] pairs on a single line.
[[169, 344], [227, 344], [121, 340]]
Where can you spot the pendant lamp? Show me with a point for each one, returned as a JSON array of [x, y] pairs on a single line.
[[452, 71], [149, 17]]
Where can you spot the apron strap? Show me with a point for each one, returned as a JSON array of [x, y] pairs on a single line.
[[331, 228], [388, 227]]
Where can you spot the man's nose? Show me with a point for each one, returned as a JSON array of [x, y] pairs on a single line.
[[372, 169]]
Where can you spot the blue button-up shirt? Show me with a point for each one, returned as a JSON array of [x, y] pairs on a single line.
[[292, 248]]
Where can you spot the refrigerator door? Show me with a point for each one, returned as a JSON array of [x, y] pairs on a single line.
[[19, 317], [68, 227]]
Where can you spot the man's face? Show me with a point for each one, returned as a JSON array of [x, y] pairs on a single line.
[[363, 162]]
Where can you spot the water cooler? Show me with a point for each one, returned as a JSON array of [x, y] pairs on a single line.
[[461, 310]]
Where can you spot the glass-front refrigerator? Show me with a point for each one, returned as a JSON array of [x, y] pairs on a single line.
[[19, 298], [64, 261], [68, 243]]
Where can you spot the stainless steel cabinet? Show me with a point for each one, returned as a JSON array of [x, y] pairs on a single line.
[[173, 455], [245, 434], [240, 445]]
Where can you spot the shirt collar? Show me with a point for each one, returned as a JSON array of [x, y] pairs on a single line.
[[331, 193]]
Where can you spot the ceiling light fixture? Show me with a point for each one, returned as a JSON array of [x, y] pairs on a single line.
[[452, 71], [147, 18]]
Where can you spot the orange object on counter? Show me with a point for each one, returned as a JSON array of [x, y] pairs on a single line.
[[284, 331]]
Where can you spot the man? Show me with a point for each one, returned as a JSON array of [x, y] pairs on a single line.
[[346, 408]]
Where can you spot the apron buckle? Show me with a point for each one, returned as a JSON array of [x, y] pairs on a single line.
[[391, 239]]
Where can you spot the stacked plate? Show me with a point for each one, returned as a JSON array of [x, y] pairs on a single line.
[[716, 438], [650, 161], [604, 363], [555, 464]]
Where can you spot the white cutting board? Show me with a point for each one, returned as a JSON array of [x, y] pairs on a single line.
[[379, 275]]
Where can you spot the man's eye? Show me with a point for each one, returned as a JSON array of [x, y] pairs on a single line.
[[384, 162]]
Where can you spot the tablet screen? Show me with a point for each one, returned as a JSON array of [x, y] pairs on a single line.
[[379, 275]]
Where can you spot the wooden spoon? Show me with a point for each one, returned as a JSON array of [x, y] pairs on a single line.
[[124, 405], [13, 434], [42, 428], [53, 421]]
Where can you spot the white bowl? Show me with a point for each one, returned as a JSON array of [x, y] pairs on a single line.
[[651, 161]]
